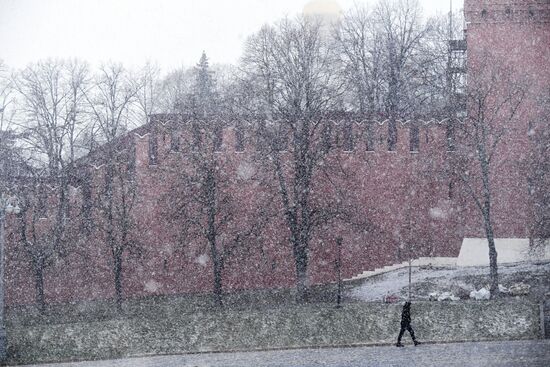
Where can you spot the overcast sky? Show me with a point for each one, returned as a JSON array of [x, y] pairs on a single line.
[[169, 32]]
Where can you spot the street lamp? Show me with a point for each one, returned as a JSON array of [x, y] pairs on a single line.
[[8, 205], [338, 265]]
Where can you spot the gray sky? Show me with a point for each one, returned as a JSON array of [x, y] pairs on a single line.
[[169, 32]]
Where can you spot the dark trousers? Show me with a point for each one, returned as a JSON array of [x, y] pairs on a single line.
[[402, 331]]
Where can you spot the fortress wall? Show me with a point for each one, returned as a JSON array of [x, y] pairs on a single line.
[[395, 192], [515, 35]]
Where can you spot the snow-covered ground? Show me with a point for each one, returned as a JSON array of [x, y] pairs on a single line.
[[427, 280]]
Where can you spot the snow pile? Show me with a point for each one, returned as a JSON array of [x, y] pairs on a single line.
[[447, 296], [482, 294], [443, 296], [519, 289], [152, 286]]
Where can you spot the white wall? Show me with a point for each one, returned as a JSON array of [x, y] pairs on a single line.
[[475, 251]]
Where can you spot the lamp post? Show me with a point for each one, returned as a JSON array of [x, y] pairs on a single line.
[[338, 264], [410, 255], [6, 207]]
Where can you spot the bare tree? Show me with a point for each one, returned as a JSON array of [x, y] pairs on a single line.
[[53, 107], [203, 191], [36, 243], [259, 69], [51, 121], [8, 136], [203, 204], [115, 202], [293, 68], [361, 49], [112, 101], [493, 100], [149, 93], [7, 98], [53, 103], [393, 60], [401, 32], [175, 89], [36, 232]]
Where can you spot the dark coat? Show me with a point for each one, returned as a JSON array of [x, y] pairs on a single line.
[[406, 314]]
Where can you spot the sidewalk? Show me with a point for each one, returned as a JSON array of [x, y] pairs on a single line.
[[502, 354]]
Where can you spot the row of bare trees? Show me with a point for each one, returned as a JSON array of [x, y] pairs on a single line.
[[59, 112], [382, 61]]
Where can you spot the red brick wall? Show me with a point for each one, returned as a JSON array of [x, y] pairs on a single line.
[[516, 35], [382, 183]]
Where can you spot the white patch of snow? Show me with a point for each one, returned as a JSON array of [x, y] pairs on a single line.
[[245, 171], [202, 259], [518, 289], [502, 289], [447, 296], [437, 213], [482, 294], [152, 286]]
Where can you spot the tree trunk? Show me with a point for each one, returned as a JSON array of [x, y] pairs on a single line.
[[217, 268], [493, 266], [216, 259], [218, 289], [301, 261], [118, 279], [62, 213], [39, 288]]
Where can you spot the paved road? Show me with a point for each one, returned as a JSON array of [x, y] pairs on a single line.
[[502, 354]]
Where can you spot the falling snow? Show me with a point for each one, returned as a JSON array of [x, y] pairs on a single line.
[[151, 211]]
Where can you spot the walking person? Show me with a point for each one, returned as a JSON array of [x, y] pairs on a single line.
[[406, 325]]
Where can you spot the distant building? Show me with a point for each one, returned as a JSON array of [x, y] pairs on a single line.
[[328, 10]]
